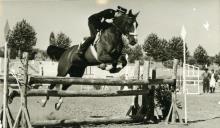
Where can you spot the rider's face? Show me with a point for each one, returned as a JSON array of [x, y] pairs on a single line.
[[117, 14]]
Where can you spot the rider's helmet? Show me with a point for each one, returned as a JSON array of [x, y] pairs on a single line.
[[121, 10]]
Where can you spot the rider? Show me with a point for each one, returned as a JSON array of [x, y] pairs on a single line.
[[97, 22]]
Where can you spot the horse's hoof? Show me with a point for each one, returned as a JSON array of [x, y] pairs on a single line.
[[51, 86], [57, 106], [102, 66], [44, 102], [115, 70]]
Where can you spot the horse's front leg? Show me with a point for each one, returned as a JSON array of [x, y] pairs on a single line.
[[112, 68], [123, 60], [115, 68], [104, 58]]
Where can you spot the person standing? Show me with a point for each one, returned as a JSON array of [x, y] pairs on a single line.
[[206, 77], [213, 80]]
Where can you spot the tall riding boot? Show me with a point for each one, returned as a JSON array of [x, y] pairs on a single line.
[[210, 89], [85, 46], [213, 89]]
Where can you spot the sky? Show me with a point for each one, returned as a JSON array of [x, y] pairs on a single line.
[[201, 19]]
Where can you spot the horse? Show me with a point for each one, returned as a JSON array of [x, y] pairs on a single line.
[[107, 49]]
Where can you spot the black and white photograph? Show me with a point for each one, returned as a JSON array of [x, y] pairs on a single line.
[[109, 63]]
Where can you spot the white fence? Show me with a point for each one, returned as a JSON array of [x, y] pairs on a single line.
[[192, 79]]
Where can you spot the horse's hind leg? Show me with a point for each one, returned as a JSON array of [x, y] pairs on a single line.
[[74, 72], [63, 68], [50, 87]]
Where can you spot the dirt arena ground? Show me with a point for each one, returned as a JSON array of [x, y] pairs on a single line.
[[203, 110]]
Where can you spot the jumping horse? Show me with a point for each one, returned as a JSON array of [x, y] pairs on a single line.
[[107, 49]]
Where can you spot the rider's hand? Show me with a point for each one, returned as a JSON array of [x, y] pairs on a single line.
[[109, 21]]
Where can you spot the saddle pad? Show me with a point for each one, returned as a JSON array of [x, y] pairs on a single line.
[[91, 53]]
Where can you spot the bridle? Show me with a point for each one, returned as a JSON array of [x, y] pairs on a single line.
[[126, 34]]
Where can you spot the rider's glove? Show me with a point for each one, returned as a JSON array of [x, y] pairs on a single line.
[[109, 21]]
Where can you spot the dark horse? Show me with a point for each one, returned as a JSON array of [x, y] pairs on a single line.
[[107, 49]]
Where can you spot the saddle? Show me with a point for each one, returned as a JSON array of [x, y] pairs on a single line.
[[91, 53]]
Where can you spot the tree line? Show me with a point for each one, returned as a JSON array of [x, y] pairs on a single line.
[[23, 38]]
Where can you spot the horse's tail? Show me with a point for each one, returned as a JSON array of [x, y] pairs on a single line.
[[55, 52]]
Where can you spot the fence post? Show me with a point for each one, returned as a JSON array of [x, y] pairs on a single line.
[[7, 117], [134, 108], [151, 104], [136, 76], [174, 113], [145, 101], [23, 115]]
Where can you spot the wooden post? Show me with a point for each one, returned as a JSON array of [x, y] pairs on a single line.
[[146, 72], [5, 89], [174, 111], [23, 111], [151, 104], [7, 120], [134, 105]]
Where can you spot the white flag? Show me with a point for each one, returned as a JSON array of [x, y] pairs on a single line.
[[206, 26], [6, 29], [183, 32]]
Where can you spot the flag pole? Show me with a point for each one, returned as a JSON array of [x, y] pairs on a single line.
[[5, 120], [183, 34]]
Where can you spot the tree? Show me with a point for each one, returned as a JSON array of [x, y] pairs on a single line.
[[63, 41], [23, 37], [154, 47], [52, 39], [217, 59], [162, 50], [211, 60], [201, 56], [39, 54], [174, 49], [135, 53], [191, 60]]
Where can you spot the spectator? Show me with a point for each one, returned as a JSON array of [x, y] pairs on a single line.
[[206, 77], [213, 81]]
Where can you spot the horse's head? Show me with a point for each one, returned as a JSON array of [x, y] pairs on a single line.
[[127, 24]]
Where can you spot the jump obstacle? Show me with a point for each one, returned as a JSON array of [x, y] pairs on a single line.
[[23, 118]]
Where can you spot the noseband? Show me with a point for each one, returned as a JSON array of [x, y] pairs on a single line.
[[126, 34]]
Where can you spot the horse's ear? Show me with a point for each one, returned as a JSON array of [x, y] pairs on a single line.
[[130, 12], [137, 14]]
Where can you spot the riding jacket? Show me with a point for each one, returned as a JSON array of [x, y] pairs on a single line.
[[98, 19]]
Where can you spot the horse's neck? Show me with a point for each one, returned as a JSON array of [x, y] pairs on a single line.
[[111, 37]]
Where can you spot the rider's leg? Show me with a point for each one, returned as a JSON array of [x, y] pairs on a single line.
[[85, 46], [89, 41]]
